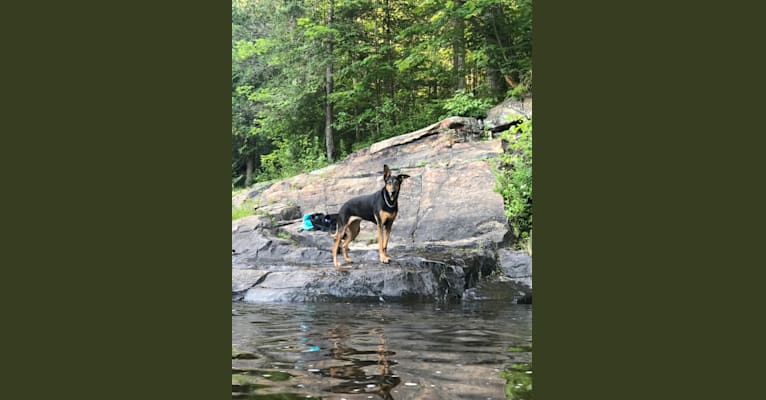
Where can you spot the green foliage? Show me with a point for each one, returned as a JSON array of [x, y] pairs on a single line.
[[292, 158], [518, 375], [395, 70], [236, 180], [245, 209], [514, 181], [518, 380], [524, 89], [519, 349], [519, 92], [464, 104]]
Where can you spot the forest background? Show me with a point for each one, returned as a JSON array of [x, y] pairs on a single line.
[[314, 80]]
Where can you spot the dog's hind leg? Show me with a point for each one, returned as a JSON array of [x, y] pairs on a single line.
[[353, 230], [339, 233]]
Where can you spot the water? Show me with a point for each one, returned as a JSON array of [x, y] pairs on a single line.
[[376, 351]]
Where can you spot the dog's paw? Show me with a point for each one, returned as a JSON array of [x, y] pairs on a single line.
[[385, 260]]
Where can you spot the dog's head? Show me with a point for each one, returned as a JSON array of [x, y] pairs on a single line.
[[393, 182]]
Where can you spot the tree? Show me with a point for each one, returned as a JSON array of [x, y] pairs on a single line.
[[328, 88], [458, 44], [313, 80]]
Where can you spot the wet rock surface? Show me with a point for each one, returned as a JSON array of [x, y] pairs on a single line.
[[450, 236], [412, 278], [516, 265]]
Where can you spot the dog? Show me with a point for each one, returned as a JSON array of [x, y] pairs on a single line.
[[379, 208]]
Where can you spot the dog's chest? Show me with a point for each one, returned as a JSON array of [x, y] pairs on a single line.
[[387, 216]]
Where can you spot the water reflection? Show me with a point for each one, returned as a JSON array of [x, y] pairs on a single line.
[[391, 351], [356, 380]]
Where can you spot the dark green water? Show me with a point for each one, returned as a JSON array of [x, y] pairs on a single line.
[[376, 351]]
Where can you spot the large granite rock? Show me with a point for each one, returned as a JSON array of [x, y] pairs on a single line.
[[448, 198], [450, 233], [406, 279]]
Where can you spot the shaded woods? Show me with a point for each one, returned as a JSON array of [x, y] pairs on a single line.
[[314, 80]]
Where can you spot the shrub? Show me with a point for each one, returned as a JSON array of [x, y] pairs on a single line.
[[514, 181], [291, 158], [246, 208], [464, 104]]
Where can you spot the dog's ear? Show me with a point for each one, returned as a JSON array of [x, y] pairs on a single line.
[[386, 172], [402, 177]]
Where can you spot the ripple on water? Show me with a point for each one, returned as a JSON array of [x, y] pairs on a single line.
[[386, 351]]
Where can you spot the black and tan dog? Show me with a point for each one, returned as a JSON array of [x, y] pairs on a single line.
[[380, 208]]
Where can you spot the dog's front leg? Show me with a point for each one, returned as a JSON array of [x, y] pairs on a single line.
[[386, 235], [381, 244]]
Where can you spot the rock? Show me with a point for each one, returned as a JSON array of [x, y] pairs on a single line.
[[406, 138], [448, 198], [499, 290], [280, 212], [457, 203], [404, 279], [448, 236], [499, 118], [516, 265], [243, 279], [526, 299], [463, 128], [251, 193], [466, 129], [252, 223], [274, 246]]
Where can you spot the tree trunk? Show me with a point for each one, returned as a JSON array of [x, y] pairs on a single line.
[[356, 116], [495, 79], [249, 164], [389, 52], [377, 84], [458, 48], [328, 89], [496, 88]]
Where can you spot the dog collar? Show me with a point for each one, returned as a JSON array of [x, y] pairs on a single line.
[[391, 206]]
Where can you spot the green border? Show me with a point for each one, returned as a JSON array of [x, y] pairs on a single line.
[[117, 275], [644, 172], [115, 166]]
